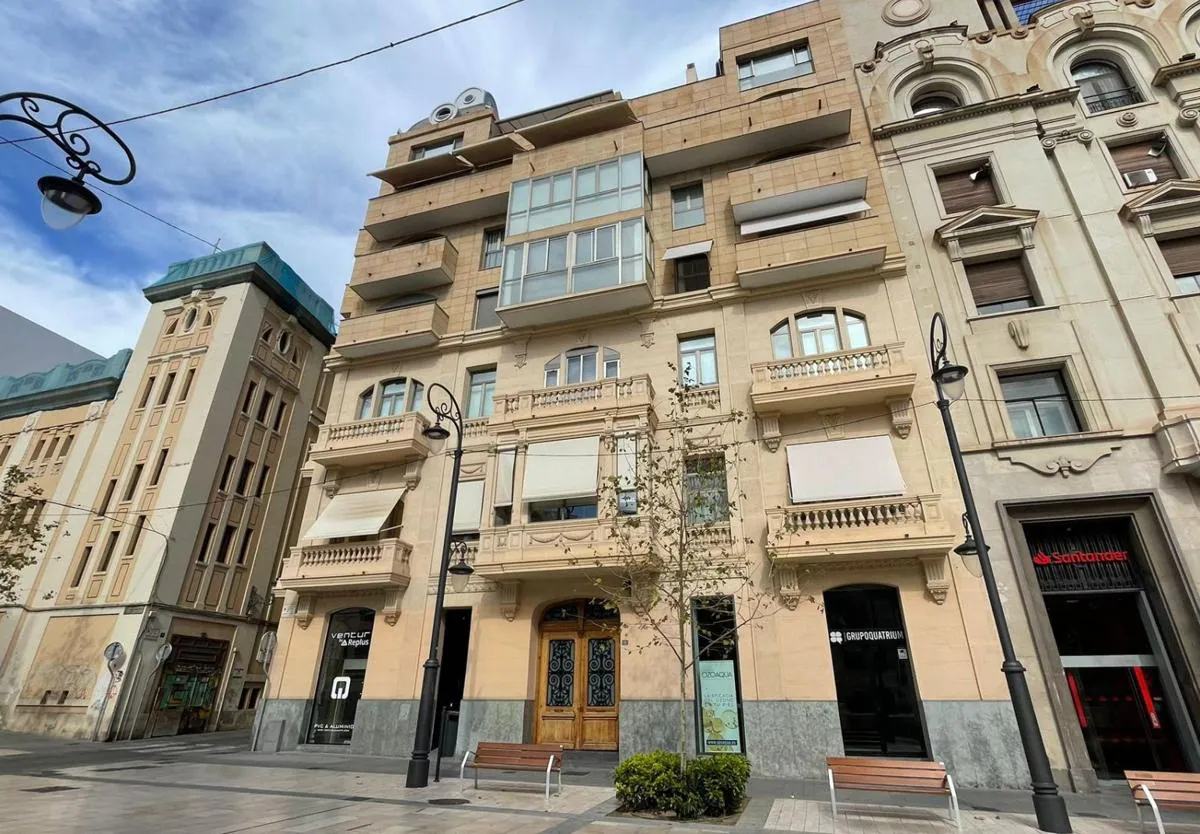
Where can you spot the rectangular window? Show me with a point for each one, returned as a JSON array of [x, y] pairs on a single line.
[[63, 449], [698, 361], [569, 510], [226, 473], [244, 547], [136, 536], [492, 256], [1145, 162], [144, 400], [264, 407], [243, 481], [627, 475], [770, 67], [485, 309], [37, 449], [4, 453], [705, 490], [81, 568], [50, 449], [110, 547], [165, 393], [226, 544], [691, 274], [718, 693], [156, 475], [187, 384], [687, 206], [1038, 404], [580, 194], [280, 411], [438, 148], [134, 477], [482, 391], [108, 495], [1001, 285], [1182, 255], [262, 481], [202, 556], [967, 188], [250, 389]]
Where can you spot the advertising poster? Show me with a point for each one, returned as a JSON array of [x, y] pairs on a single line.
[[719, 707]]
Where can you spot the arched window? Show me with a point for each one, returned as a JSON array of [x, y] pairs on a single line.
[[172, 327], [366, 404], [207, 319], [583, 364], [397, 396], [818, 332], [283, 342], [189, 320], [1103, 85], [266, 335], [934, 101]]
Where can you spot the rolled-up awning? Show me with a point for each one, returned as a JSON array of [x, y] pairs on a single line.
[[833, 470], [558, 469], [355, 514], [468, 507], [687, 250]]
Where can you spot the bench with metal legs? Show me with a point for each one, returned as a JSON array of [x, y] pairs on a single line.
[[891, 776], [1161, 789], [490, 755]]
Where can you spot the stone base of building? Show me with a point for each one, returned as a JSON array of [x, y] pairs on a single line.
[[978, 742]]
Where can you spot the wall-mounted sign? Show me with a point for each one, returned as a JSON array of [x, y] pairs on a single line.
[[719, 706], [1080, 557], [1084, 555], [865, 636]]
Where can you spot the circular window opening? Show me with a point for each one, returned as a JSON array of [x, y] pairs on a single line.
[[930, 103], [189, 320], [443, 113], [284, 342]]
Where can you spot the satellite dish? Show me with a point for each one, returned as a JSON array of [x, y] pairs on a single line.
[[470, 97], [443, 113]]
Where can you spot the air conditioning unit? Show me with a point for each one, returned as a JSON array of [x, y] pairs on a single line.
[[1135, 179]]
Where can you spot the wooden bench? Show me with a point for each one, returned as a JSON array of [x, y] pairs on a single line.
[[890, 776], [494, 755], [1174, 791]]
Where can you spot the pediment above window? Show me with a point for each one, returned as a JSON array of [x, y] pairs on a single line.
[[988, 230], [1173, 206]]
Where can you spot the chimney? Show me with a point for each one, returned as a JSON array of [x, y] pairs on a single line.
[[692, 78]]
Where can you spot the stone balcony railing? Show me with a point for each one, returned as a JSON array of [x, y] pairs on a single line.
[[381, 565], [609, 396], [861, 528], [404, 269], [556, 548], [831, 380], [392, 331], [391, 439]]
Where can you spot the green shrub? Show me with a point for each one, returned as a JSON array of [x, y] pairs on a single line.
[[649, 781], [718, 783], [712, 786]]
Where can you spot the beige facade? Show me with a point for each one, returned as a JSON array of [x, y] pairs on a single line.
[[1041, 162], [806, 321], [171, 505]]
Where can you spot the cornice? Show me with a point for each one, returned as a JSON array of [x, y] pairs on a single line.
[[971, 111]]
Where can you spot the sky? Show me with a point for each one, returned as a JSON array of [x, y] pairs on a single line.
[[287, 164]]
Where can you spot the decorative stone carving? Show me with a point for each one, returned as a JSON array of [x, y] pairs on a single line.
[[1085, 20], [902, 415], [30, 423], [94, 412], [1170, 207], [521, 355], [331, 484], [1049, 461], [391, 605], [304, 609], [470, 470], [831, 419], [1187, 116], [906, 12], [647, 333], [791, 591], [989, 230], [768, 426], [510, 593], [925, 53], [1018, 330], [936, 583], [412, 474], [813, 298], [1127, 119], [1081, 135]]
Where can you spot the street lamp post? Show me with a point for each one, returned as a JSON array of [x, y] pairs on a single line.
[[67, 202], [950, 379], [446, 411]]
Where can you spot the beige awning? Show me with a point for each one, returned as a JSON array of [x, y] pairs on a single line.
[[468, 507], [506, 465], [355, 514], [804, 217], [832, 470], [687, 250], [559, 469]]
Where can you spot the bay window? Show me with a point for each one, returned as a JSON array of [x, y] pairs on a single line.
[[607, 187]]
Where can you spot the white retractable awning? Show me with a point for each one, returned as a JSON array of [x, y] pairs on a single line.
[[831, 470], [355, 514], [627, 462], [506, 465], [804, 217], [561, 469], [687, 250], [468, 507]]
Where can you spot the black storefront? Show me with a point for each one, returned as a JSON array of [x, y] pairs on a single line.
[[343, 672]]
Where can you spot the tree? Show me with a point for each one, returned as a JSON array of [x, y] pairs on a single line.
[[22, 534]]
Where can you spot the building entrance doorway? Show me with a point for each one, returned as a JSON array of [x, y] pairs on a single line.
[[343, 672], [579, 676], [452, 677], [877, 697]]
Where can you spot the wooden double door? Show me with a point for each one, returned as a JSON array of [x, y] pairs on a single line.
[[579, 678]]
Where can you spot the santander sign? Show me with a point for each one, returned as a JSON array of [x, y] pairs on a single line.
[[1080, 557]]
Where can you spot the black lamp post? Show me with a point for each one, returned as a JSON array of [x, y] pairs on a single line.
[[447, 411], [950, 381], [67, 202]]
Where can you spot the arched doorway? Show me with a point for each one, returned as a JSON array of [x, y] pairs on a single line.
[[343, 671], [877, 696], [579, 676]]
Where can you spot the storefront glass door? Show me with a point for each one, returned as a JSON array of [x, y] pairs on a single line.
[[343, 672]]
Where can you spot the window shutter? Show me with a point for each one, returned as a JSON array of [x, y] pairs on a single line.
[[1136, 157], [961, 193], [996, 281], [1182, 255]]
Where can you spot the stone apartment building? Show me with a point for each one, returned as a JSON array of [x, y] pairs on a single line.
[[171, 474], [1041, 162], [560, 271]]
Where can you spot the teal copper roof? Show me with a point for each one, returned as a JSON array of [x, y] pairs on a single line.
[[259, 264], [63, 385]]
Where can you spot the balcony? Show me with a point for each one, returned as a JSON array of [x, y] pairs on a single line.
[[580, 548], [394, 439], [855, 529], [1178, 435], [611, 397], [346, 567], [774, 186], [436, 205], [404, 269], [844, 379], [392, 331]]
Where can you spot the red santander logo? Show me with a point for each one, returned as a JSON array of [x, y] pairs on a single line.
[[1041, 558], [1080, 557]]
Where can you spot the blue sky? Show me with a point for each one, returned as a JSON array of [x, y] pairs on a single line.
[[286, 165]]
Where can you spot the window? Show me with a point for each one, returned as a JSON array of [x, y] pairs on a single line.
[[108, 494], [172, 326], [397, 396], [575, 508], [243, 481], [1000, 286], [366, 404], [580, 194], [1145, 162], [37, 449], [705, 493], [698, 361], [50, 449], [967, 188], [266, 335], [937, 101], [165, 393], [202, 556], [264, 407], [110, 547], [485, 309], [64, 448], [493, 249], [208, 319], [280, 411], [1103, 85], [189, 320], [134, 477], [283, 342], [438, 148], [227, 472], [1038, 404], [158, 467], [482, 390], [691, 273], [81, 568], [1182, 255], [226, 544], [687, 206], [244, 547], [764, 69], [718, 696], [583, 365], [136, 536], [187, 384], [4, 453], [144, 400], [820, 332], [249, 397], [262, 481]]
